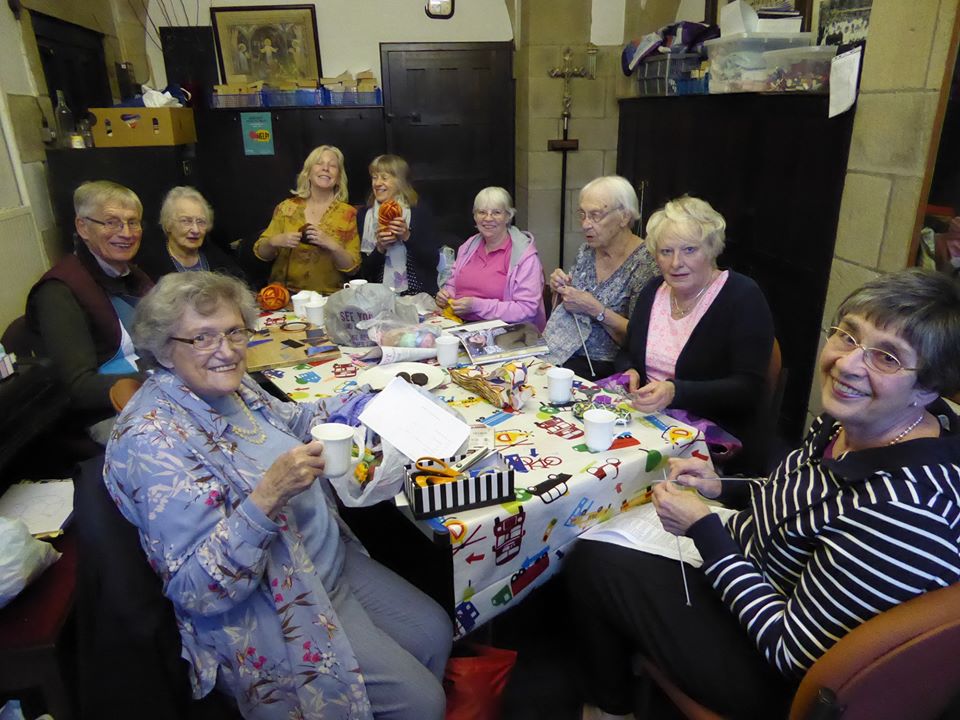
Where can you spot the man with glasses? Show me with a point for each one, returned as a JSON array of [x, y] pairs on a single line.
[[186, 218], [82, 308]]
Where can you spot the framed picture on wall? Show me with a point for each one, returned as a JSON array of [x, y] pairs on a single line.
[[274, 43]]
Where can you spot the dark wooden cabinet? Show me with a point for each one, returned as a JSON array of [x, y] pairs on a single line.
[[245, 189], [774, 167]]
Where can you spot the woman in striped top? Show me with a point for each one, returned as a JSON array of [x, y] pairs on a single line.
[[863, 516]]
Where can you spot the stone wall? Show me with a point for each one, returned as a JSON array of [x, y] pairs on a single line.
[[545, 28], [911, 48]]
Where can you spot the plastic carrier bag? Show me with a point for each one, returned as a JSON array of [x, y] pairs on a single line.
[[22, 558], [347, 307]]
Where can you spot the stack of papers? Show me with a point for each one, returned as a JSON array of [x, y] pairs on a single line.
[[46, 506]]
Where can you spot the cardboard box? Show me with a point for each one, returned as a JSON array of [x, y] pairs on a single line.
[[489, 487], [143, 126]]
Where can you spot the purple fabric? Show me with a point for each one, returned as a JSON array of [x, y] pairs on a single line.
[[349, 413]]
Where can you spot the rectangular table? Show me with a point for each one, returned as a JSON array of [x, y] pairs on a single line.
[[499, 553]]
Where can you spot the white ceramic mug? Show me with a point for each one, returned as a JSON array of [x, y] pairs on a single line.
[[559, 385], [355, 283], [338, 440], [599, 424], [448, 349], [300, 301]]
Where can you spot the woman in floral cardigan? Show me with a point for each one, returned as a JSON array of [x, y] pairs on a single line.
[[278, 606]]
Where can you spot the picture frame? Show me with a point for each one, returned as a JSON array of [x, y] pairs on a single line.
[[271, 43]]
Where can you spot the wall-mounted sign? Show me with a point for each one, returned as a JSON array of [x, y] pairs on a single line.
[[257, 128]]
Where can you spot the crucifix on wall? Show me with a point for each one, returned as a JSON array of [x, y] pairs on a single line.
[[566, 71]]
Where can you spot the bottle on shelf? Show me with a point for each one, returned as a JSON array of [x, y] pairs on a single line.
[[64, 118]]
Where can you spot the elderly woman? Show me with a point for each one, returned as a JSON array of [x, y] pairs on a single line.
[[402, 252], [278, 607], [700, 338], [497, 274], [862, 517], [598, 294], [312, 239], [186, 217], [82, 308]]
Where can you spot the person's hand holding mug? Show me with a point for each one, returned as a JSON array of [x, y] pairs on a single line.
[[289, 475]]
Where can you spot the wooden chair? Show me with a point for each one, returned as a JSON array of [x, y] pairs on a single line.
[[899, 664], [121, 392]]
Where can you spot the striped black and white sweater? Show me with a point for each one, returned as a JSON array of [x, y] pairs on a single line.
[[824, 545]]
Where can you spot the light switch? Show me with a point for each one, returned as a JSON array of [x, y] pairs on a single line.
[[439, 9]]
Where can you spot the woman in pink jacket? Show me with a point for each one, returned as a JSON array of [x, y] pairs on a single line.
[[497, 275]]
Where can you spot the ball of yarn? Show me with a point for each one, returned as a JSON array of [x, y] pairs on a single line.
[[273, 297]]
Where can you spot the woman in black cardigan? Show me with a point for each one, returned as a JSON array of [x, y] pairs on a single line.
[[699, 338], [402, 254]]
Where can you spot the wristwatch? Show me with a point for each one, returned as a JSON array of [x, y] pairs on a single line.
[[599, 318]]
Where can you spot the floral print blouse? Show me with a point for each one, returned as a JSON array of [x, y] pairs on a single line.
[[248, 599]]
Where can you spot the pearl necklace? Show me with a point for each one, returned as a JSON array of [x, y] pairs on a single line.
[[254, 434], [693, 303], [906, 430]]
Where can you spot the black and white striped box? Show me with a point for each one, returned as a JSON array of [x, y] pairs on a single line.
[[489, 487]]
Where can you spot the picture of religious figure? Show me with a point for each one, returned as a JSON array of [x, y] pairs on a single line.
[[274, 44]]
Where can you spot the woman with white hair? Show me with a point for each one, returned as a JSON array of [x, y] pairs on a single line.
[[312, 239], [186, 217], [278, 606], [595, 299], [497, 274], [700, 338]]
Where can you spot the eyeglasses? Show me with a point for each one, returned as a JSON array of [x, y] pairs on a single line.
[[880, 360], [594, 217], [205, 342], [115, 225], [186, 223], [495, 214]]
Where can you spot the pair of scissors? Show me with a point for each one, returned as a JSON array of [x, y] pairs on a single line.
[[433, 471]]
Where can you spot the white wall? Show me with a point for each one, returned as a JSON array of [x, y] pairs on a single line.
[[350, 31]]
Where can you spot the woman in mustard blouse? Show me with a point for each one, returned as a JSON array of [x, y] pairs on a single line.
[[312, 239]]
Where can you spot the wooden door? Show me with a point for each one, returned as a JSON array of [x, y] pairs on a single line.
[[450, 114]]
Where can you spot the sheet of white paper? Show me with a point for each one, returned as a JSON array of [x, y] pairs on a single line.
[[640, 529], [606, 22], [413, 424], [737, 17], [44, 506], [844, 71]]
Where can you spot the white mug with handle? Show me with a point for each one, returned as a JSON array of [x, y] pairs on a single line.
[[355, 283], [338, 440]]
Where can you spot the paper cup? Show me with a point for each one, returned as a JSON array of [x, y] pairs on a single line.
[[337, 440], [559, 385], [356, 282], [300, 301], [314, 311], [598, 424], [448, 349]]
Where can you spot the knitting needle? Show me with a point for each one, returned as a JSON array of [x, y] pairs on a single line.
[[583, 342], [683, 568]]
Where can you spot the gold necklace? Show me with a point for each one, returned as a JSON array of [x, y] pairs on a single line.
[[693, 303], [254, 434]]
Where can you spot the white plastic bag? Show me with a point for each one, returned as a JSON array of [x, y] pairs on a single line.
[[22, 558], [389, 328], [347, 307]]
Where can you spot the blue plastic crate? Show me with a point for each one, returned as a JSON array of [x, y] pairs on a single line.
[[352, 97]]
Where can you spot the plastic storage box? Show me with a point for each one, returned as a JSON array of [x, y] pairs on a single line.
[[660, 73], [803, 69], [737, 63]]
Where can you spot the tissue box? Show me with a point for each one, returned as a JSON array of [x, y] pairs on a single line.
[[143, 126], [488, 487], [737, 63]]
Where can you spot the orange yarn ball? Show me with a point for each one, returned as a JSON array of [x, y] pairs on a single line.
[[273, 297]]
